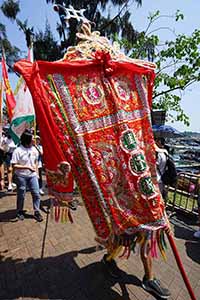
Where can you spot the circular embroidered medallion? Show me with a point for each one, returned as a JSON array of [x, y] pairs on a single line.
[[128, 140], [92, 93], [137, 163], [122, 89], [146, 186]]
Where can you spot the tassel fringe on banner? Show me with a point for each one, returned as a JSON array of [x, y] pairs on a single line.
[[60, 212], [122, 246]]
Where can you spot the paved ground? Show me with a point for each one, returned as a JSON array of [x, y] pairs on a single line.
[[61, 261]]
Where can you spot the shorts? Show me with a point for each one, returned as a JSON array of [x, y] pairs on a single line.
[[8, 157], [2, 157]]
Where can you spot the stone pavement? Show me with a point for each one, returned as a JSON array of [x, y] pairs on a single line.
[[51, 260]]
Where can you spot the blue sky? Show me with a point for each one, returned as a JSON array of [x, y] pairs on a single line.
[[38, 11]]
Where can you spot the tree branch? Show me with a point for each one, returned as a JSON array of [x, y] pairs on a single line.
[[115, 17], [160, 28], [168, 66], [175, 88]]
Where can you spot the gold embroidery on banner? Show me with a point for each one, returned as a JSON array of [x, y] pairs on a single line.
[[60, 176]]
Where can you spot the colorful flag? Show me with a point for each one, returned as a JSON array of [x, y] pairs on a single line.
[[1, 107], [1, 102], [24, 113], [10, 99]]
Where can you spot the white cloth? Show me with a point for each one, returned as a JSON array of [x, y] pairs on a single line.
[[161, 163], [8, 145], [40, 150], [25, 157], [3, 143]]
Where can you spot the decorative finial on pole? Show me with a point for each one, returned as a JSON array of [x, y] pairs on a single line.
[[70, 12]]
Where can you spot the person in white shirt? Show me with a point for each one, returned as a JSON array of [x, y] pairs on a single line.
[[24, 160], [161, 160]]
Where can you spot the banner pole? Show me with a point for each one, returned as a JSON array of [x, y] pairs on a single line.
[[180, 265]]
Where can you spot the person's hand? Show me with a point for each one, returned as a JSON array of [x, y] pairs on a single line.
[[32, 169], [168, 229]]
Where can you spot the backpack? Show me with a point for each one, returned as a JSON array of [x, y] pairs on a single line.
[[169, 177]]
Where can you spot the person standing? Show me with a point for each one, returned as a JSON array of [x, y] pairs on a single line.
[[9, 147], [161, 160], [24, 161]]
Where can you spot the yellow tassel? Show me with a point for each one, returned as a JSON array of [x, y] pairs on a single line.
[[163, 254], [115, 252], [66, 215], [160, 246], [62, 214], [119, 248]]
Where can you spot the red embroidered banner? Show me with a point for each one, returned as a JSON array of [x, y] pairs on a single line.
[[10, 99], [94, 119]]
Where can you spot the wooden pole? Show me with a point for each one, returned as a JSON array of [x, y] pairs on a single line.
[[180, 265]]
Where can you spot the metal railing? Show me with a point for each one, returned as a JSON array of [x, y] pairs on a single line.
[[184, 196]]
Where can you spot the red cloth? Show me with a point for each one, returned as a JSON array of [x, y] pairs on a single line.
[[95, 115], [10, 99]]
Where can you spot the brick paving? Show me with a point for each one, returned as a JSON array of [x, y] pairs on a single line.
[[51, 260]]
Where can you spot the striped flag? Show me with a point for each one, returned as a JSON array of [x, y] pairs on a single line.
[[10, 99], [24, 113]]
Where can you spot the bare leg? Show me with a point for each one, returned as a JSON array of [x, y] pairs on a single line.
[[9, 170], [149, 282], [2, 175], [147, 263]]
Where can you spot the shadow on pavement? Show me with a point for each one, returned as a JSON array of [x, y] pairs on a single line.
[[184, 229], [184, 226], [10, 216], [61, 278], [192, 250]]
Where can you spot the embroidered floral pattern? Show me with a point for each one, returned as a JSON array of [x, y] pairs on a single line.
[[98, 122]]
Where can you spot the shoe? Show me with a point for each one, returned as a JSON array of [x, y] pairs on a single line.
[[10, 188], [20, 215], [111, 267], [197, 234], [155, 287], [38, 216], [41, 192], [14, 186], [73, 205]]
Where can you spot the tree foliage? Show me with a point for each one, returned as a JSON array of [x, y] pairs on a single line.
[[12, 52], [178, 60], [99, 13], [10, 9], [178, 65], [45, 46]]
